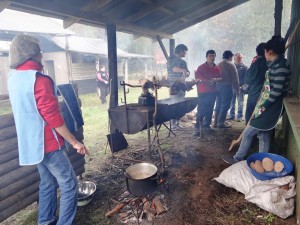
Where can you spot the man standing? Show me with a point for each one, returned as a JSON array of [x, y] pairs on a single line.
[[103, 83], [241, 69], [205, 76], [41, 131], [177, 71], [230, 80]]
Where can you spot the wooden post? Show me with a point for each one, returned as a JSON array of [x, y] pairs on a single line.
[[112, 63], [278, 17], [172, 47], [158, 38]]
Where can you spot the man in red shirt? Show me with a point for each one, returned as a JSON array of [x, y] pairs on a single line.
[[206, 76]]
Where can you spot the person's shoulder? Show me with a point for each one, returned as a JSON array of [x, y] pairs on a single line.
[[42, 78]]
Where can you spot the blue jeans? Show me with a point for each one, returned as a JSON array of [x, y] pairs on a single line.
[[224, 97], [248, 134], [240, 101], [56, 171], [206, 102]]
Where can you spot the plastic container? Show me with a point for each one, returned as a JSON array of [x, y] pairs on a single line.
[[288, 167]]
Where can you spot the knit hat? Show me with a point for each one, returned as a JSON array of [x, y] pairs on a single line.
[[22, 48]]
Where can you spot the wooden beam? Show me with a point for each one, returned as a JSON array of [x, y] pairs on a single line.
[[146, 11], [69, 21], [59, 10], [278, 17], [94, 5], [4, 4], [162, 47], [167, 11], [192, 8], [206, 13]]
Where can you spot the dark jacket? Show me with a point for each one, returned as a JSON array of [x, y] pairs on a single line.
[[255, 76]]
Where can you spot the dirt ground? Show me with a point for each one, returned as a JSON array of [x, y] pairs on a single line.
[[191, 195]]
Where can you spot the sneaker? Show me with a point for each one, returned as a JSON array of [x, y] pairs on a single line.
[[240, 119], [229, 159], [230, 118]]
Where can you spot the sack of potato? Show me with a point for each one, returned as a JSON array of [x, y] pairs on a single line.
[[267, 165]]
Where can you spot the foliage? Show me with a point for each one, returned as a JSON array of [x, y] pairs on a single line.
[[239, 29]]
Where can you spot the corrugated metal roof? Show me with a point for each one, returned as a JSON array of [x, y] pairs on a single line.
[[14, 21], [91, 46]]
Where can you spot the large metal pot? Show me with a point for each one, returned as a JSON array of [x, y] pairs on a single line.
[[141, 178]]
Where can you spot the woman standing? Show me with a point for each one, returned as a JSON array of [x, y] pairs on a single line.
[[270, 105]]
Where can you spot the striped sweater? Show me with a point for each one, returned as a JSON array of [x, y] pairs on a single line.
[[280, 75]]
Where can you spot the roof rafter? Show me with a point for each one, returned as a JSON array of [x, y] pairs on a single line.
[[210, 12], [146, 11], [192, 9], [60, 11]]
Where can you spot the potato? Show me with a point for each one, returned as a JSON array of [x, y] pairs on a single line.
[[278, 166], [258, 167], [268, 164]]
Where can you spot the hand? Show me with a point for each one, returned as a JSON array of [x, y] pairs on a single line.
[[81, 149], [186, 73], [105, 82]]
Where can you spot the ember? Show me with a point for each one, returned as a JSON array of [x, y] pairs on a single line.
[[133, 209]]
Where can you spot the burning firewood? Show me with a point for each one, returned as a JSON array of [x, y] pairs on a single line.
[[157, 204]]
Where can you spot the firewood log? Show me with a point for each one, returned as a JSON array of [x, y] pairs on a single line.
[[16, 175], [9, 156], [8, 145], [7, 133], [19, 196], [158, 205], [17, 206], [9, 166], [6, 120], [18, 185]]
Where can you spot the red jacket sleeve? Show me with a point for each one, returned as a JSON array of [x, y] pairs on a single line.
[[47, 103], [199, 73]]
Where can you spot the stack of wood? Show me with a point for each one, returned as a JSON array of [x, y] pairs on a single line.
[[19, 185], [138, 208]]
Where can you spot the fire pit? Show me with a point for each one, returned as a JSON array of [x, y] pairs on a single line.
[[133, 118]]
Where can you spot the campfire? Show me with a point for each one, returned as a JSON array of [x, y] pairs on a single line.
[[134, 209], [129, 208]]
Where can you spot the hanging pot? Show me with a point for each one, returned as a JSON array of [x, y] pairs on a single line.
[[141, 178]]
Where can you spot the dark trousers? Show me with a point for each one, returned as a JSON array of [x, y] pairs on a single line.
[[104, 91], [251, 103], [206, 102], [224, 96]]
